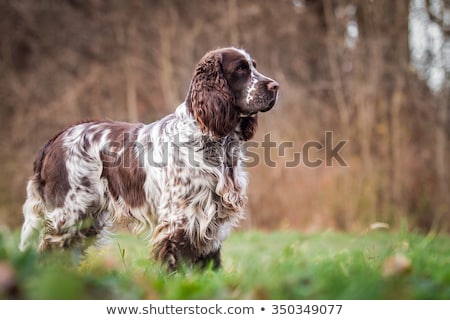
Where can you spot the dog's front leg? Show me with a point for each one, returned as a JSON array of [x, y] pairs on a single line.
[[170, 245]]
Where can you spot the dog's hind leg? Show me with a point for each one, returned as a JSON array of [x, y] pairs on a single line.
[[83, 220]]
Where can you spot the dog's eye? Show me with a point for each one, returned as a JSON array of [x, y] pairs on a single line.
[[243, 67]]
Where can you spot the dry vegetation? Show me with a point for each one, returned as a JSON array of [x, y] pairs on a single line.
[[64, 61]]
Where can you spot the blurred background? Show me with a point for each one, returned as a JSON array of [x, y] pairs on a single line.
[[375, 73]]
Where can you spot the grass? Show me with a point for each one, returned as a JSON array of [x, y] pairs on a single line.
[[256, 265]]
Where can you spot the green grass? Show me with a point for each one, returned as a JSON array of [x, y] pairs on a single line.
[[256, 265]]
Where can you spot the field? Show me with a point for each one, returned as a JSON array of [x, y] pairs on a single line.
[[256, 265]]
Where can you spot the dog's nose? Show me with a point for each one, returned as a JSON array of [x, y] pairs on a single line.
[[273, 86]]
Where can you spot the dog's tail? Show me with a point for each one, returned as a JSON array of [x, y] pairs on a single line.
[[33, 212]]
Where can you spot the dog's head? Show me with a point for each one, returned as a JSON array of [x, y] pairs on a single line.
[[227, 92]]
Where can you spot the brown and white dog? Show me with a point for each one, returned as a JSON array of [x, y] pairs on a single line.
[[181, 177]]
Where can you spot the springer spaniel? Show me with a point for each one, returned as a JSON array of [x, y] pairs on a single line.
[[181, 176]]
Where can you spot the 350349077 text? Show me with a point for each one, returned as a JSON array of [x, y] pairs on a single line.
[[281, 309]]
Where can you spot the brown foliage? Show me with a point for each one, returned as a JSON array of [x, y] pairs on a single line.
[[66, 61]]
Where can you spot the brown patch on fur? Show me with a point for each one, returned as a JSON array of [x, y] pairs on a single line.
[[122, 169], [51, 172]]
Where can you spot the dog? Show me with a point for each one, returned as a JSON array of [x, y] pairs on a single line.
[[182, 177]]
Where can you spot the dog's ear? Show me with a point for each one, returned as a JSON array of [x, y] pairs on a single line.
[[210, 99]]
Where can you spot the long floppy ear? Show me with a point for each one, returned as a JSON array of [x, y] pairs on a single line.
[[210, 100], [247, 127]]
